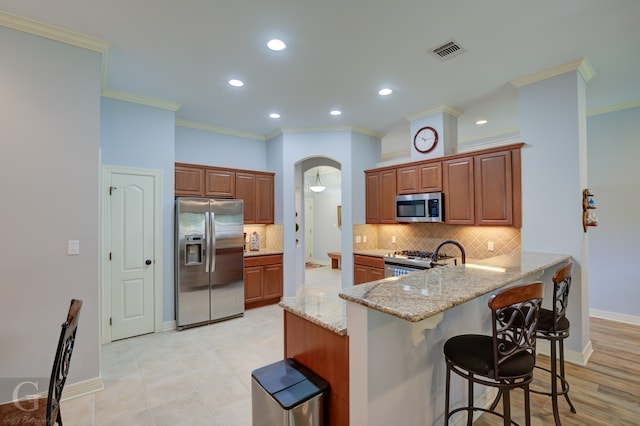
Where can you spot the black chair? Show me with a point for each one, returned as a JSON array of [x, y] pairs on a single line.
[[554, 327], [505, 359], [46, 411]]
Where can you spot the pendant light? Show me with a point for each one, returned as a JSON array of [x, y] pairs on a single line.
[[317, 186]]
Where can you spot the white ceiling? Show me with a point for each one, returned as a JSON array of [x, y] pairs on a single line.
[[340, 52]]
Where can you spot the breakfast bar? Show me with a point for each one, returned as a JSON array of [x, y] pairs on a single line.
[[396, 327]]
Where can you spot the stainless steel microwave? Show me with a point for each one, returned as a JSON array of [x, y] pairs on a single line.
[[419, 207]]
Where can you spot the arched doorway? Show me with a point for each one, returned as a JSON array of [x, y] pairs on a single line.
[[322, 224]]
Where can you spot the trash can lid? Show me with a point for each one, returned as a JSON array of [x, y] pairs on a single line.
[[280, 375], [300, 392], [289, 382]]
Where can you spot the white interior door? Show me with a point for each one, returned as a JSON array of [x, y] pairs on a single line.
[[131, 253], [308, 229]]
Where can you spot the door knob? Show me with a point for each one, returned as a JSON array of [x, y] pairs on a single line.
[[147, 262]]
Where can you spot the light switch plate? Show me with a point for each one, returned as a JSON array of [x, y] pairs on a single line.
[[73, 247]]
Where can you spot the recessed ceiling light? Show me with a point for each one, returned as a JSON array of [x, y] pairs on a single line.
[[236, 83], [274, 115], [335, 112], [481, 122], [384, 92], [276, 45]]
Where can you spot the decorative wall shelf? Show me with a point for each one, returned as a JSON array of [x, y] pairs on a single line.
[[589, 217]]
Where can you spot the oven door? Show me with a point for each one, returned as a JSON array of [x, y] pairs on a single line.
[[392, 269]]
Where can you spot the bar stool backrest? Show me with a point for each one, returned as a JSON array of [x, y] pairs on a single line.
[[561, 286], [514, 313]]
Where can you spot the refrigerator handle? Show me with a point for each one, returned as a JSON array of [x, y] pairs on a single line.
[[212, 245], [207, 237]]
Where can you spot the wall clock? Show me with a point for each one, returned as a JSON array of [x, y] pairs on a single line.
[[425, 139]]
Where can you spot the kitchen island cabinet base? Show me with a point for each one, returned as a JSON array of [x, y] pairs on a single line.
[[327, 354]]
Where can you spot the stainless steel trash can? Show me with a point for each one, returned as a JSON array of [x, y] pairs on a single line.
[[287, 393]]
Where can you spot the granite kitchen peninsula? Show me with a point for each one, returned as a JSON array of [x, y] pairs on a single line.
[[396, 328]]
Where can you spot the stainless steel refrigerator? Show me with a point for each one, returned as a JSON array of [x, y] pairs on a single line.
[[209, 260]]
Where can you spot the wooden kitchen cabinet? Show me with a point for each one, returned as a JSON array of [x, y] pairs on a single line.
[[256, 190], [380, 196], [420, 178], [493, 189], [189, 181], [458, 188], [325, 353], [484, 189], [367, 268], [263, 280], [264, 197], [219, 183]]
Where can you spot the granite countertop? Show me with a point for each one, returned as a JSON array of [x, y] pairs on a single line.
[[420, 295], [373, 252], [261, 252], [324, 308]]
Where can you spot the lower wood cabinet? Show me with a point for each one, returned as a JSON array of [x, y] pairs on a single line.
[[367, 268], [262, 280]]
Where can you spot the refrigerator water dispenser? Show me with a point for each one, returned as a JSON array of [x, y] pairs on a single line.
[[193, 255]]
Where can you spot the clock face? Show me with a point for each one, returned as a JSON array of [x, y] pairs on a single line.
[[425, 139]]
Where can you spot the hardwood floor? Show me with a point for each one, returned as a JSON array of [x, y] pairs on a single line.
[[605, 392]]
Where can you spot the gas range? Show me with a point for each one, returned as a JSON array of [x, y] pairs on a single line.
[[412, 258]]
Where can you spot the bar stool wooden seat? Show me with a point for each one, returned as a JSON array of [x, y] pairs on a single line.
[[554, 326], [505, 359]]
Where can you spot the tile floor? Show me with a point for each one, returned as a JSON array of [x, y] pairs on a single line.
[[199, 376]]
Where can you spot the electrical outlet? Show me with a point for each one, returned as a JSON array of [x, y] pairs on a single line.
[[490, 245], [358, 239], [393, 239], [364, 238]]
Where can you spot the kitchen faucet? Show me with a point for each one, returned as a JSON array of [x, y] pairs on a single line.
[[434, 257]]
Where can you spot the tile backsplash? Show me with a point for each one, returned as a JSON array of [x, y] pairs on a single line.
[[426, 236], [271, 236]]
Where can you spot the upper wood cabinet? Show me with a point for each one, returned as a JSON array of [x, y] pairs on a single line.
[[219, 183], [256, 189], [264, 197], [458, 191], [381, 196], [421, 178], [484, 189], [479, 188], [493, 189], [189, 180]]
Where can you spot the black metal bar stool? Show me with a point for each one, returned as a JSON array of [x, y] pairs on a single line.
[[553, 326], [505, 359]]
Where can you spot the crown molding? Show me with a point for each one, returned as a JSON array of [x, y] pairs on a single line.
[[139, 99], [215, 129], [51, 32], [613, 108], [581, 65], [352, 129], [441, 109]]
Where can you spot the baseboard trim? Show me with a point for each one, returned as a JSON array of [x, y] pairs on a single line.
[[168, 326], [615, 316], [83, 388], [574, 357]]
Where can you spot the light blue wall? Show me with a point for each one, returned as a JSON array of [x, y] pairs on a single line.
[[614, 178], [553, 125], [285, 153], [216, 149], [49, 171], [139, 136]]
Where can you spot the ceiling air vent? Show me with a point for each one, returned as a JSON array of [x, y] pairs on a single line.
[[448, 50]]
